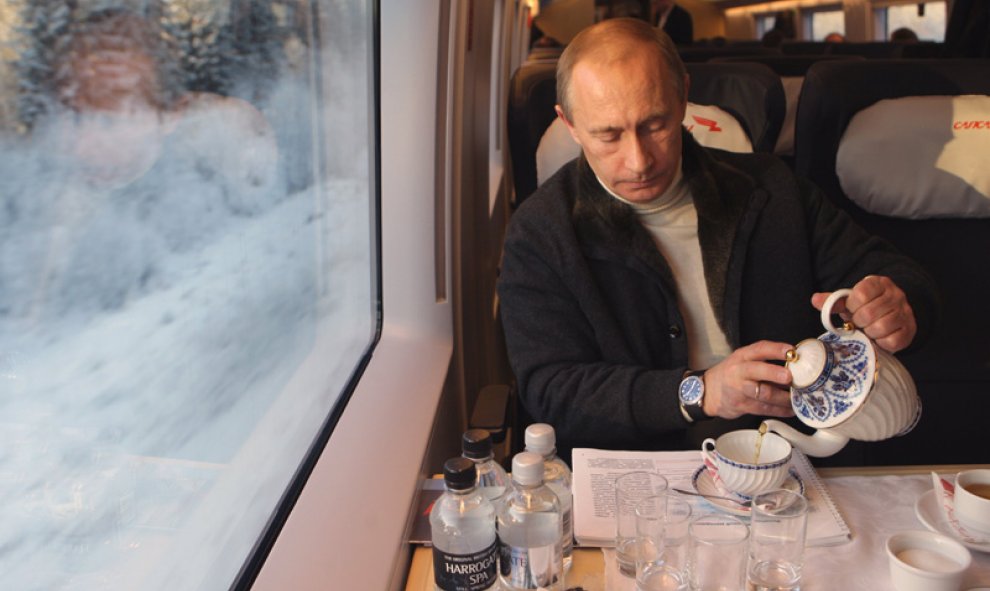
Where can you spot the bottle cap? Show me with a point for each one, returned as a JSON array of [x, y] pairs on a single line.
[[540, 438], [527, 468], [459, 473], [477, 444]]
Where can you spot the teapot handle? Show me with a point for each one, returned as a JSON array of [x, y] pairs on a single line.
[[830, 301]]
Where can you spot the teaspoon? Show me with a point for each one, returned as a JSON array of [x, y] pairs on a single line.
[[698, 494]]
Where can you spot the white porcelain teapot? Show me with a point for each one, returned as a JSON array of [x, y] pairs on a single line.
[[848, 388]]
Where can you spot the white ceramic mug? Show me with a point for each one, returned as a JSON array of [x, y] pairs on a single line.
[[732, 460], [972, 501]]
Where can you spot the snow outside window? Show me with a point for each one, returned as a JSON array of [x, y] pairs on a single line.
[[187, 277]]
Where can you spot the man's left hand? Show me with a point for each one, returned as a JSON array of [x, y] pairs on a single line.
[[880, 309]]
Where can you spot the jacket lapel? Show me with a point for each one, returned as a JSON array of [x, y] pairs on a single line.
[[609, 230], [728, 204]]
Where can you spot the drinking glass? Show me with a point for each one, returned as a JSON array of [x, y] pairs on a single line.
[[779, 522], [717, 553], [662, 561], [630, 489]]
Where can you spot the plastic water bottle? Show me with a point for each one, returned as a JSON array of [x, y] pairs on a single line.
[[529, 530], [462, 526], [492, 479], [541, 439]]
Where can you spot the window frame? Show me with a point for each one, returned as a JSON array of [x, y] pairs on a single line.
[[348, 524]]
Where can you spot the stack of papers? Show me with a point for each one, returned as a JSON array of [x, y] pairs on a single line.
[[595, 472]]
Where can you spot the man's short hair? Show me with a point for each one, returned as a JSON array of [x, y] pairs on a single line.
[[616, 38], [122, 30]]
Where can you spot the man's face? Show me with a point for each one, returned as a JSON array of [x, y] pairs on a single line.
[[627, 120], [112, 76]]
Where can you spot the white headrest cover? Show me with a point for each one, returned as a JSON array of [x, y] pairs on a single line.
[[710, 126], [919, 157], [714, 128]]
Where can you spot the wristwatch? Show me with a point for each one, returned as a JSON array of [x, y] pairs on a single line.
[[691, 396]]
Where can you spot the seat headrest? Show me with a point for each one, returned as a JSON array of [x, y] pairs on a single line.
[[710, 126], [751, 93], [919, 157], [834, 92]]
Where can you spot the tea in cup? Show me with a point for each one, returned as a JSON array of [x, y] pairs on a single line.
[[972, 501], [747, 462]]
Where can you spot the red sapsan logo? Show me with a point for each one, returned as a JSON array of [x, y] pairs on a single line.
[[971, 125], [711, 124]]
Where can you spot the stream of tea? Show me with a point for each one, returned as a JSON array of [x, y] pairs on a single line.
[[759, 442]]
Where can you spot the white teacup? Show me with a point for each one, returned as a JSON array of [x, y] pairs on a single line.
[[972, 501], [732, 459], [926, 561]]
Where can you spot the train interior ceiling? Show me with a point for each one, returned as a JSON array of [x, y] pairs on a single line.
[[759, 81]]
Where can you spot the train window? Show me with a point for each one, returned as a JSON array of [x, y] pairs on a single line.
[[818, 23], [926, 19], [188, 277]]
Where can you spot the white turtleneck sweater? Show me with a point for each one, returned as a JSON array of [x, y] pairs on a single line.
[[672, 220]]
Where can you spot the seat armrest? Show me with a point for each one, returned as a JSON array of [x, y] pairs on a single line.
[[492, 411]]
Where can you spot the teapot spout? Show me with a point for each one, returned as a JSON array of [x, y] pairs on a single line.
[[822, 444]]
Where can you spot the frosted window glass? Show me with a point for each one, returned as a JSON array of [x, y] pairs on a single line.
[[187, 277]]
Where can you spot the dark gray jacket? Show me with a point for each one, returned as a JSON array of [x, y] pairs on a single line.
[[589, 306]]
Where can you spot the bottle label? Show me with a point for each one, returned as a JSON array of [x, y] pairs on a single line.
[[465, 572], [530, 568]]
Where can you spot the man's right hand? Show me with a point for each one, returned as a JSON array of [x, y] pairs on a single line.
[[745, 383]]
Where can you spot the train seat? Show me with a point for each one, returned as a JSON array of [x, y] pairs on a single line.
[[544, 53], [804, 47], [868, 49], [791, 69], [900, 170], [923, 50], [705, 53], [748, 100]]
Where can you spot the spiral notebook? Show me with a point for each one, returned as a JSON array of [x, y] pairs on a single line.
[[595, 471]]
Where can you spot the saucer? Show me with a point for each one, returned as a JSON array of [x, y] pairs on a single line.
[[930, 515], [703, 483]]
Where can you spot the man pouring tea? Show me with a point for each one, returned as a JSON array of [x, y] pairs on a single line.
[[651, 289]]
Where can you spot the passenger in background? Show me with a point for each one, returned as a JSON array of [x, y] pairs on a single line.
[[650, 260], [835, 37], [783, 21], [772, 38], [673, 20], [904, 35]]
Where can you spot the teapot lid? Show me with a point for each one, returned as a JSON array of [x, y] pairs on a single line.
[[831, 375], [809, 362]]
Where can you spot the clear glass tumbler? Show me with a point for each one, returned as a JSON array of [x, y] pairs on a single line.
[[630, 489], [663, 534], [778, 526], [717, 553]]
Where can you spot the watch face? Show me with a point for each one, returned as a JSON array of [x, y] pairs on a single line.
[[691, 390]]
